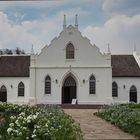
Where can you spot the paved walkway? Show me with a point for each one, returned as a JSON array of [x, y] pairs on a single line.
[[94, 127]]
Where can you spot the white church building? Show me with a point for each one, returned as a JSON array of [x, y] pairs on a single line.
[[70, 68]]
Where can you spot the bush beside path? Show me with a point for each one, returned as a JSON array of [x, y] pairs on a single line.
[[124, 116], [94, 127], [23, 122]]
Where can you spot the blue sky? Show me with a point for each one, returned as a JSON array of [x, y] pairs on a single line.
[[116, 22]]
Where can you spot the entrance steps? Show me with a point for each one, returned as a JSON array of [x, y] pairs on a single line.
[[81, 106]]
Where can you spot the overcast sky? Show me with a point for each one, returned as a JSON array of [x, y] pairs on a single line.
[[116, 22]]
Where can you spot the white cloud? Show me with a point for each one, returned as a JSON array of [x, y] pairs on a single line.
[[35, 4], [38, 32], [120, 31], [45, 4], [12, 36], [121, 6]]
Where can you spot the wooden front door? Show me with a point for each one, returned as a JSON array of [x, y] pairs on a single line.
[[68, 90]]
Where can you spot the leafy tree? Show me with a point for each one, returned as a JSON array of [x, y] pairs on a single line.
[[22, 52], [7, 51], [18, 51], [1, 52]]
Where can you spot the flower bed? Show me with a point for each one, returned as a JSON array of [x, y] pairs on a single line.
[[134, 105], [123, 116], [22, 122]]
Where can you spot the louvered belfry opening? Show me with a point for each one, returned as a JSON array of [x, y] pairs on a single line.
[[133, 94], [3, 94], [68, 90]]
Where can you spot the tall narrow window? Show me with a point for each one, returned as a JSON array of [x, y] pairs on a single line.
[[133, 94], [20, 89], [48, 85], [3, 89], [70, 51], [92, 85], [114, 89], [3, 94]]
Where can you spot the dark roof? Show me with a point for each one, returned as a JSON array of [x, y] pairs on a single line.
[[124, 66], [14, 66], [18, 66]]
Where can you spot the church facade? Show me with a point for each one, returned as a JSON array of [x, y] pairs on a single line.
[[70, 69]]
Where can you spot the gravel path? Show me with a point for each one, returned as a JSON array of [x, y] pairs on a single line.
[[94, 128]]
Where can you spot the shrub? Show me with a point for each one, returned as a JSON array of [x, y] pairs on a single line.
[[123, 116], [22, 122]]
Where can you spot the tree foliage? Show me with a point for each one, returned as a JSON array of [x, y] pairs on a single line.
[[10, 52]]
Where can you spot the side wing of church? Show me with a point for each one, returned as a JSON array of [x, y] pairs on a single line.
[[70, 70]]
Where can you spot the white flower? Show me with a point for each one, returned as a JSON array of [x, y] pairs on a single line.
[[11, 124], [12, 117], [22, 114], [46, 125], [36, 126], [34, 131], [20, 133], [33, 136], [9, 130], [17, 123], [28, 121], [16, 131], [29, 118], [37, 113], [24, 128], [34, 116]]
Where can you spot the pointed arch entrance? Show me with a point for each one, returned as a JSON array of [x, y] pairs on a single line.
[[69, 89], [133, 94], [3, 94]]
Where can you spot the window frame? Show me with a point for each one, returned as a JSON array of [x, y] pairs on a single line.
[[114, 89], [92, 85], [3, 88], [48, 85], [21, 89], [70, 51]]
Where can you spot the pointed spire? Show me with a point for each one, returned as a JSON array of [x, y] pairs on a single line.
[[76, 21], [64, 22], [108, 49], [32, 49], [135, 48]]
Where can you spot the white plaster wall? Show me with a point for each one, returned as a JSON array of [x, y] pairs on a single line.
[[103, 85], [123, 93], [88, 60], [86, 54], [12, 92]]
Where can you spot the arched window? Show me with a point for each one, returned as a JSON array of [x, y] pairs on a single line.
[[92, 85], [70, 51], [133, 94], [3, 89], [3, 94], [114, 89], [48, 85], [20, 89]]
